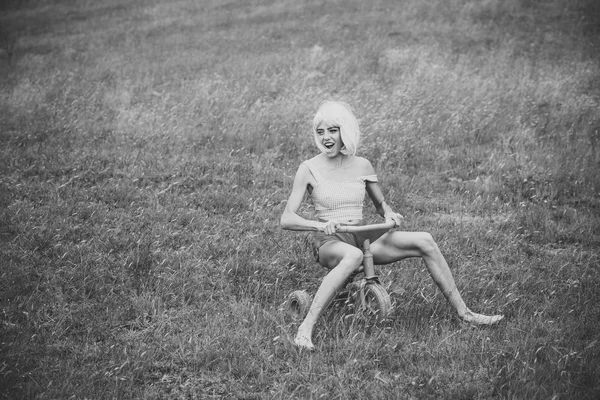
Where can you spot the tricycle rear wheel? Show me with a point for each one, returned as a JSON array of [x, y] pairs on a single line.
[[298, 303]]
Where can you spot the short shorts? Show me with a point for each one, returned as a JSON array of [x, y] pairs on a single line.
[[320, 238], [353, 239]]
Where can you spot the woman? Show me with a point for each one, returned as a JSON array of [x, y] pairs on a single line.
[[337, 180]]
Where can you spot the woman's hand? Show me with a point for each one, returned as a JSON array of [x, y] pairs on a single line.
[[392, 216], [329, 227]]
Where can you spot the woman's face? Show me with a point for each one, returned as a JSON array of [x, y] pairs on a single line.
[[330, 138]]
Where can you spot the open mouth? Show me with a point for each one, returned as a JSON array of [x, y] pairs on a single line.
[[329, 145]]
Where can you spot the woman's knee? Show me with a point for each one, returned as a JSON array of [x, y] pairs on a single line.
[[426, 243], [350, 257], [354, 257], [351, 260]]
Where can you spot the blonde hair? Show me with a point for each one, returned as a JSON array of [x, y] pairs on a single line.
[[340, 114]]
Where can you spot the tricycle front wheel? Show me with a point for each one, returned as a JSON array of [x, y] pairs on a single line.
[[373, 302]]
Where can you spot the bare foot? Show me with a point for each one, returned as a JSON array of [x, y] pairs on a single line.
[[304, 342], [480, 319]]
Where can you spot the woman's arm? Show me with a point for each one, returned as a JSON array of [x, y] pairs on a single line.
[[374, 190], [290, 219], [381, 206]]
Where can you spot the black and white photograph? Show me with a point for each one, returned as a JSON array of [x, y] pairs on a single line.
[[300, 199]]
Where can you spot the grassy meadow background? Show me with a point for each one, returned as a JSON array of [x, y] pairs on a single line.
[[147, 149]]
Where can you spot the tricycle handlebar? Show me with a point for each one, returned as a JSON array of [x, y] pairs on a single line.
[[365, 228]]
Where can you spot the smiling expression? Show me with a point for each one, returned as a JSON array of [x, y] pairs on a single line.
[[330, 138]]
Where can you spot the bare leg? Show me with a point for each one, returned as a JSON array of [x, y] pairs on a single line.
[[395, 246], [345, 259]]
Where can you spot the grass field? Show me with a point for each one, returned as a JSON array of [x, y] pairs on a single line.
[[148, 148]]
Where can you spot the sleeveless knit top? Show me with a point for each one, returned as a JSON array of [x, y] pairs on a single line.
[[339, 200]]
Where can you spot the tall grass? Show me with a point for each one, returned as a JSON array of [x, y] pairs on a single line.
[[148, 149]]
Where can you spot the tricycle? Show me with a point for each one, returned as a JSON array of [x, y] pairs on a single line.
[[363, 288]]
